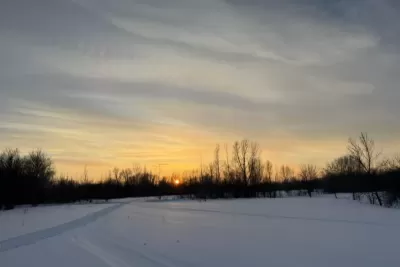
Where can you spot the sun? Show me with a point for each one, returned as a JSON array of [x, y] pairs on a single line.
[[177, 182]]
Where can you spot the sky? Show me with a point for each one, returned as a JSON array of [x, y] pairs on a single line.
[[114, 83]]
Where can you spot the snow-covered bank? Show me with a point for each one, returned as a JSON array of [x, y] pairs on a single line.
[[297, 232]]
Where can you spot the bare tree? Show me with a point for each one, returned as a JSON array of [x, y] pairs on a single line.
[[228, 175], [85, 175], [211, 168], [39, 168], [116, 173], [390, 164], [244, 145], [364, 152], [40, 165], [308, 172], [286, 173], [11, 171], [396, 162], [236, 159], [254, 164], [308, 175], [346, 166], [217, 164], [136, 169], [126, 175], [268, 170]]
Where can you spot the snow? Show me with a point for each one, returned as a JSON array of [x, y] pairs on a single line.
[[320, 231], [25, 220]]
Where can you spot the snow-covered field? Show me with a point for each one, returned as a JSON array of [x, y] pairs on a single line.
[[25, 220], [321, 231]]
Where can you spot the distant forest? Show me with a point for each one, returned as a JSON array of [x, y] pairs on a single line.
[[238, 172]]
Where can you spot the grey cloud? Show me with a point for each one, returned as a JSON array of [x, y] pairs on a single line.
[[310, 112], [66, 91], [50, 20], [377, 17], [335, 64]]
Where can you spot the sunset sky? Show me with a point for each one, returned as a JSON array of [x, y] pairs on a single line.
[[112, 83]]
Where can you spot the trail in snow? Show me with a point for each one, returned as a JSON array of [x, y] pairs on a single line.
[[31, 238], [24, 220]]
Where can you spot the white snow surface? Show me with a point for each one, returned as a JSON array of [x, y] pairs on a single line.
[[320, 231], [23, 220]]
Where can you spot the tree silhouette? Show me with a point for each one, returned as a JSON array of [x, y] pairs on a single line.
[[30, 179]]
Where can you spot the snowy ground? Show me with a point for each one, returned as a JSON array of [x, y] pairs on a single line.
[[27, 219], [297, 232]]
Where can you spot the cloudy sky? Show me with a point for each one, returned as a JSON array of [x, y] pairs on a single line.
[[110, 83]]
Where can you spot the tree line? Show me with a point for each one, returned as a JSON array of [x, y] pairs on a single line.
[[238, 172]]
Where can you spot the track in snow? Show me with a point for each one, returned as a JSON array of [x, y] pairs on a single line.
[[31, 238]]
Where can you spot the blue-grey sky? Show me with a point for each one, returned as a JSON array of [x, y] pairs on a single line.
[[104, 83]]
